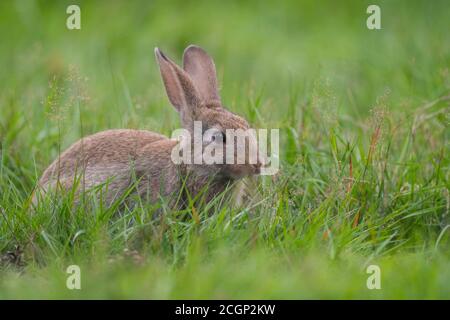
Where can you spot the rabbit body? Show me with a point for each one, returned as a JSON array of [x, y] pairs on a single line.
[[118, 158]]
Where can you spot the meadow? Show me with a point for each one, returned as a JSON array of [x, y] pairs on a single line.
[[363, 118]]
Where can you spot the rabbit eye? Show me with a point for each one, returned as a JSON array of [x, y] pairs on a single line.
[[218, 137]]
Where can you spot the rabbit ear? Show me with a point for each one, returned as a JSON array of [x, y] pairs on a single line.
[[200, 67], [179, 87]]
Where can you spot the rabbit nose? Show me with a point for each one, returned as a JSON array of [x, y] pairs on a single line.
[[257, 167]]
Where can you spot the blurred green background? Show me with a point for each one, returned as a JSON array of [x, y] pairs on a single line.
[[352, 104]]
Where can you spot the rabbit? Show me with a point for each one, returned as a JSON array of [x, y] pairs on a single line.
[[118, 158]]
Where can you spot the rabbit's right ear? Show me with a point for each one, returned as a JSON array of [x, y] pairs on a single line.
[[179, 87]]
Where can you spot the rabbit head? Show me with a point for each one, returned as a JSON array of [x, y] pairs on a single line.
[[193, 91]]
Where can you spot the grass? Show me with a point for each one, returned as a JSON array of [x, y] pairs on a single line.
[[363, 118]]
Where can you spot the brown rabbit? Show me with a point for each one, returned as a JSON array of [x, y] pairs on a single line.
[[119, 158]]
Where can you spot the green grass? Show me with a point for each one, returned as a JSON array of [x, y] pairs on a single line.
[[363, 118]]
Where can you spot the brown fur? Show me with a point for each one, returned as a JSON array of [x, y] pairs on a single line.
[[122, 157]]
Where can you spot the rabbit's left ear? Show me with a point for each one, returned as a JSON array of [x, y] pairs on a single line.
[[200, 67]]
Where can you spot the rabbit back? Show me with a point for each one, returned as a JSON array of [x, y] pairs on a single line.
[[116, 158]]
